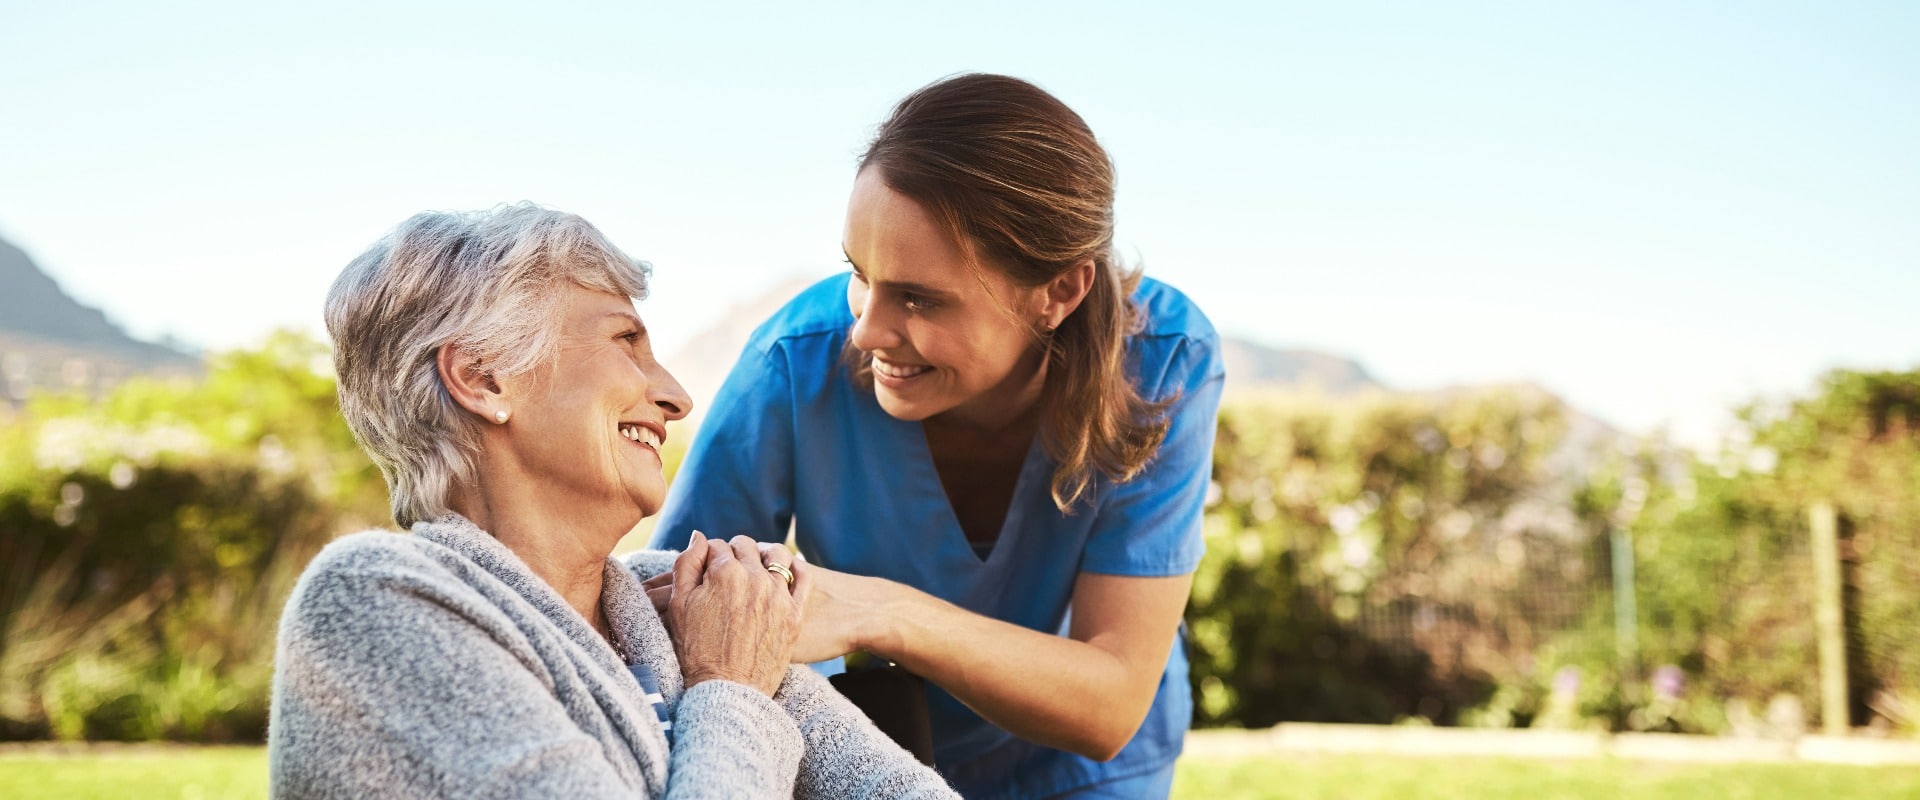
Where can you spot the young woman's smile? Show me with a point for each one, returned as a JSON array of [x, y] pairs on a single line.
[[897, 374]]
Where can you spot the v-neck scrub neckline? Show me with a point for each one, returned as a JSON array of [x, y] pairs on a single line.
[[791, 439], [1034, 469]]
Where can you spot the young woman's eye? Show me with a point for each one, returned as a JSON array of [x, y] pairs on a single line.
[[915, 302], [857, 275]]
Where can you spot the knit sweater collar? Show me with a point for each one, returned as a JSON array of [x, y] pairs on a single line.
[[628, 610]]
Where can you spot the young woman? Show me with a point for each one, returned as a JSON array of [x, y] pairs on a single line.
[[995, 440]]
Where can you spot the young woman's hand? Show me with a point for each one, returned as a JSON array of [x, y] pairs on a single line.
[[732, 618], [839, 609], [660, 591]]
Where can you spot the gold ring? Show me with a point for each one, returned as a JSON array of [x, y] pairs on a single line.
[[782, 571]]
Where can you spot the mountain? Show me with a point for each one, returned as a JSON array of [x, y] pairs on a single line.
[[32, 305], [1256, 367], [49, 340]]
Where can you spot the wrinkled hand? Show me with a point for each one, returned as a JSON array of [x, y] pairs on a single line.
[[660, 587], [732, 619]]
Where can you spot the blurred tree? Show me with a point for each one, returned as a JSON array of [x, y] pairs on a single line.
[[1385, 558], [1724, 552], [152, 535]]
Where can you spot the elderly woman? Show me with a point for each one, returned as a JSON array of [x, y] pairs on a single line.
[[493, 366]]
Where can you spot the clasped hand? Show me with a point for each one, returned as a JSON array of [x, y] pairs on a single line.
[[729, 616], [827, 603]]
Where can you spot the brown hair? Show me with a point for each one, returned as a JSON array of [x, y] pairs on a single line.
[[1020, 182]]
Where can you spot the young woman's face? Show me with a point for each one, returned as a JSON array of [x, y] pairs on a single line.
[[945, 338], [594, 425]]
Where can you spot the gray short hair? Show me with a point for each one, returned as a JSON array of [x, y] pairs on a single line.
[[487, 281]]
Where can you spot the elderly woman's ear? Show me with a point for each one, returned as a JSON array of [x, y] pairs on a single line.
[[471, 385]]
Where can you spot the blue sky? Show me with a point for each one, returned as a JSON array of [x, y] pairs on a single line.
[[1655, 210]]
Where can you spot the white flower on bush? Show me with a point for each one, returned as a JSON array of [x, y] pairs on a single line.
[[1357, 551], [65, 444], [274, 458], [1345, 519]]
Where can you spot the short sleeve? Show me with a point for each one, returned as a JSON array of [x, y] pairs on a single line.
[[1151, 526], [738, 474]]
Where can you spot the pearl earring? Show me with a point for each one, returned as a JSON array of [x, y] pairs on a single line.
[[500, 417]]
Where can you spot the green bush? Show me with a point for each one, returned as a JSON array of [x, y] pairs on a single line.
[[1447, 557], [1392, 557], [151, 537], [1726, 588]]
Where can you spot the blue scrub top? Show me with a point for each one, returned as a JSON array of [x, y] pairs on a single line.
[[792, 439]]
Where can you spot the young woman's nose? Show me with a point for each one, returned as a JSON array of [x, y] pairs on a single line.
[[874, 328]]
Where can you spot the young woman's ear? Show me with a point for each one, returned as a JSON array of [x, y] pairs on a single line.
[[472, 385], [1064, 293]]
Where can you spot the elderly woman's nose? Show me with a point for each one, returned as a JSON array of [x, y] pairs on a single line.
[[664, 391]]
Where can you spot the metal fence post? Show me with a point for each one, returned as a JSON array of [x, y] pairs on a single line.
[[1828, 620], [1626, 608], [1626, 614]]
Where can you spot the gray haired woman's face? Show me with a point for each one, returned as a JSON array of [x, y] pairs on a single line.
[[588, 431]]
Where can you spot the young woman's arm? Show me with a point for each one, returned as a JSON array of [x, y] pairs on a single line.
[[1087, 692]]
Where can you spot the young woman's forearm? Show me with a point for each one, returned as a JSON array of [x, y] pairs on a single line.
[[1087, 697]]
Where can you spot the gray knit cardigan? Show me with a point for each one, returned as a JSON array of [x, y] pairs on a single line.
[[438, 665]]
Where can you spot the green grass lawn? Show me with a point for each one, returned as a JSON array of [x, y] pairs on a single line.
[[240, 772], [1366, 777], [187, 773]]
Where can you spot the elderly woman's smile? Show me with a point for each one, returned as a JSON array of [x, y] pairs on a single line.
[[642, 435], [593, 423]]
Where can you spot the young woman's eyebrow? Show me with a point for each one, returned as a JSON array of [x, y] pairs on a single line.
[[906, 286]]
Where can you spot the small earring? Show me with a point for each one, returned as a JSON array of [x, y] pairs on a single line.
[[500, 417]]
